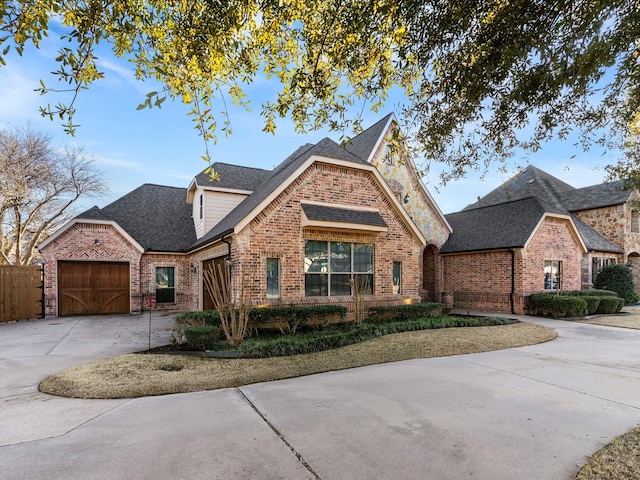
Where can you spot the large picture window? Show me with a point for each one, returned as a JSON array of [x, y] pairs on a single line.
[[165, 285], [331, 267], [552, 274]]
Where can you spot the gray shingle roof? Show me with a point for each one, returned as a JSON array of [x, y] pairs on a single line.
[[593, 240], [234, 177], [530, 182], [157, 217], [595, 196], [343, 215], [363, 144], [282, 172], [496, 227]]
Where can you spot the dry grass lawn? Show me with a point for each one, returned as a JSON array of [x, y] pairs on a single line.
[[134, 375], [620, 460]]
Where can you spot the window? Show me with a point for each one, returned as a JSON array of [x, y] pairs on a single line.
[[273, 278], [165, 285], [552, 274], [389, 155], [331, 267], [201, 206], [397, 278], [635, 221], [597, 264]]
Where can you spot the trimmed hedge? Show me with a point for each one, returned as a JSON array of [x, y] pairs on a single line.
[[556, 306], [592, 303], [289, 319], [609, 304], [407, 312], [283, 318], [202, 337], [589, 293], [342, 335]]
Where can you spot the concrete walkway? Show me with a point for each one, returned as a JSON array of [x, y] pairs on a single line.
[[535, 412]]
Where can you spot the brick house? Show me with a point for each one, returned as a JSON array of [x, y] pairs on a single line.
[[535, 233], [297, 234]]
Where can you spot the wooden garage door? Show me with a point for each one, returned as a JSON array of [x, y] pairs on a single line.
[[93, 288]]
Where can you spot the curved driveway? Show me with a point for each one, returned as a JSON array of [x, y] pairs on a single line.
[[535, 412]]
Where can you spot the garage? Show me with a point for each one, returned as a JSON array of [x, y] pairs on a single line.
[[90, 288]]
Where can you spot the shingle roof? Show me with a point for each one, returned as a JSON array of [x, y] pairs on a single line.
[[343, 215], [595, 196], [157, 217], [593, 240], [363, 144], [234, 177], [530, 182], [496, 227], [282, 172]]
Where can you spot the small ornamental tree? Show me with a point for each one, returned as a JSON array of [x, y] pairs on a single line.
[[617, 278]]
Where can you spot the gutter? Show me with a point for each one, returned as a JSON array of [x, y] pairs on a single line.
[[513, 281]]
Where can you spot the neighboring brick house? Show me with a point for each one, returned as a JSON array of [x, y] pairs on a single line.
[[535, 233], [297, 234]]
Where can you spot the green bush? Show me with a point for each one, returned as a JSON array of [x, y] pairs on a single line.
[[337, 336], [592, 303], [407, 312], [620, 304], [288, 319], [202, 337], [557, 306], [608, 305], [589, 293], [207, 317], [618, 278]]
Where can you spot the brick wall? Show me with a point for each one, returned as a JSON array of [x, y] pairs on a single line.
[[79, 243], [277, 233], [612, 222], [482, 280]]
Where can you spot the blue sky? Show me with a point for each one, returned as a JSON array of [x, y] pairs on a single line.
[[160, 145]]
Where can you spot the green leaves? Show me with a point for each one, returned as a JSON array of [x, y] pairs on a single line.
[[481, 79]]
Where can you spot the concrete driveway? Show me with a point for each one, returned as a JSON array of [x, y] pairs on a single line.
[[528, 413]]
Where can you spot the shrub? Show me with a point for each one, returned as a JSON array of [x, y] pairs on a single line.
[[618, 278], [202, 337], [288, 319], [589, 293], [341, 335], [557, 306], [407, 312], [608, 305], [620, 304], [592, 303]]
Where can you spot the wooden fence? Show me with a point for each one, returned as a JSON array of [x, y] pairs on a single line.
[[21, 292]]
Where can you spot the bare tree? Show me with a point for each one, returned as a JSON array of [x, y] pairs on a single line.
[[39, 185]]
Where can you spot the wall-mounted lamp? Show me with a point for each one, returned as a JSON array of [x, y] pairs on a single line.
[[193, 268], [406, 198], [96, 241]]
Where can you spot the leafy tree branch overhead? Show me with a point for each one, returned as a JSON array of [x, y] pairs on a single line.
[[481, 79]]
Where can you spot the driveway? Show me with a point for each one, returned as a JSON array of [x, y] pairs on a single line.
[[535, 412]]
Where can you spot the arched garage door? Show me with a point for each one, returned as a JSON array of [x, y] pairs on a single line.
[[89, 288]]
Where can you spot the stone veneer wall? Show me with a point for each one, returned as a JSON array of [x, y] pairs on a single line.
[[419, 207]]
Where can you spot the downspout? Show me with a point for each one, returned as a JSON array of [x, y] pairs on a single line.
[[228, 257], [513, 280]]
